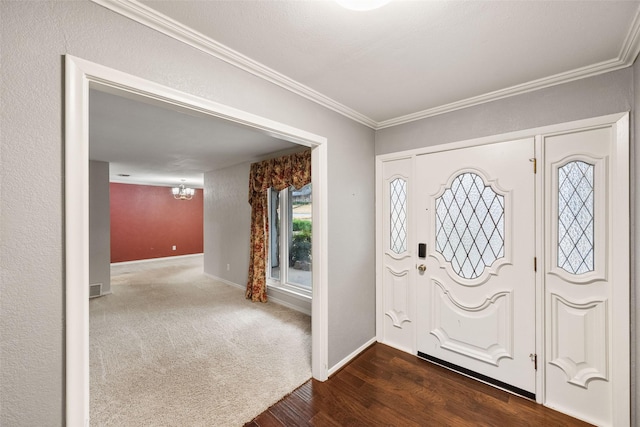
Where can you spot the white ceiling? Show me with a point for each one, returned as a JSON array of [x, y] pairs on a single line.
[[402, 62], [161, 145], [414, 56]]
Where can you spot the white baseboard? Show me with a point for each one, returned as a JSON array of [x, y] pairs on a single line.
[[225, 281], [335, 368], [138, 261], [271, 298], [289, 305]]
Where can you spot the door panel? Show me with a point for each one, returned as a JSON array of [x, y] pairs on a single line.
[[476, 295], [398, 299], [578, 290]]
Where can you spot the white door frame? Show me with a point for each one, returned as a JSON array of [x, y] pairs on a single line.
[[620, 270], [80, 75]]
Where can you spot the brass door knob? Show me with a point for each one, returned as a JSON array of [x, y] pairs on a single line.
[[422, 268]]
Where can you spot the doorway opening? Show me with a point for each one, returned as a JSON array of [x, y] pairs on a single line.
[[80, 76]]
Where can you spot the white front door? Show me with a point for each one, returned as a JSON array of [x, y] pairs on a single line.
[[475, 287]]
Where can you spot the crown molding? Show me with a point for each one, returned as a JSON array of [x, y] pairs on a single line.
[[626, 57], [162, 23], [631, 45], [151, 18], [534, 85]]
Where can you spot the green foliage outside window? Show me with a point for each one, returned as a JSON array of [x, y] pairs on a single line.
[[300, 247], [302, 225]]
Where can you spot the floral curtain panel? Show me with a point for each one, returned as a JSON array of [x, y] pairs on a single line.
[[278, 173]]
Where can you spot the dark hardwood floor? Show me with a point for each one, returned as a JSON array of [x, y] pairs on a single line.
[[386, 387]]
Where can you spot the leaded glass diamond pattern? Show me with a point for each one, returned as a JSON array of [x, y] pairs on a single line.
[[575, 217], [398, 218], [470, 225]]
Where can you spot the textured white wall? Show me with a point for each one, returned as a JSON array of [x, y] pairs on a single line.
[[227, 222], [99, 225], [596, 96], [34, 38], [635, 252]]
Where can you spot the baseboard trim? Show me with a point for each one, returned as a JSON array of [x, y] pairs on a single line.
[[166, 258], [341, 364], [289, 305], [271, 297], [225, 281]]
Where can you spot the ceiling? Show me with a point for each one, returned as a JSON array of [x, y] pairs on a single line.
[[405, 61], [158, 144], [412, 56]]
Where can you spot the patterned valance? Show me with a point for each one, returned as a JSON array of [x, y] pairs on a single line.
[[279, 173]]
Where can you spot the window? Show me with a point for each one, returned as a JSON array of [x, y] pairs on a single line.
[[290, 224], [398, 196], [575, 218], [470, 225]]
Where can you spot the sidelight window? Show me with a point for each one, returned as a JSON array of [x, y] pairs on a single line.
[[575, 217], [398, 219]]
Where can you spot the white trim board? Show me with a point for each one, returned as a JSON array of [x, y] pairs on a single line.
[[80, 75], [335, 368], [166, 258], [153, 19], [225, 281]]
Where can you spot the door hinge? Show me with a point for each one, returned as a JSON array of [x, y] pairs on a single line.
[[535, 164], [534, 359], [535, 263]]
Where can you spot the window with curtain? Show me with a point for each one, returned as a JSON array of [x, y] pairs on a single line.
[[277, 188], [290, 224]]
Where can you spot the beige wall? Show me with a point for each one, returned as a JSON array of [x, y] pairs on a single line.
[[596, 96], [227, 222], [35, 36], [99, 226]]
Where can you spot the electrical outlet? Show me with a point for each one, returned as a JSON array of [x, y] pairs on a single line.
[[173, 247], [228, 267]]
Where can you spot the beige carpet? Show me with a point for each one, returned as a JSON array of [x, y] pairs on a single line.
[[172, 347]]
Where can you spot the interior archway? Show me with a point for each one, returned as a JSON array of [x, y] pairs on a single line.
[[80, 76]]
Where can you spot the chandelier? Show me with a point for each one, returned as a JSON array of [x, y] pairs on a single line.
[[182, 193]]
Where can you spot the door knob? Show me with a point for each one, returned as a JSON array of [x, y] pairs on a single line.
[[422, 268]]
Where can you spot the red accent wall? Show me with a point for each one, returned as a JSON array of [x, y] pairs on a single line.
[[146, 221]]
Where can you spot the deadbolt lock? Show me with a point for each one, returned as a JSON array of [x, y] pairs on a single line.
[[422, 268]]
